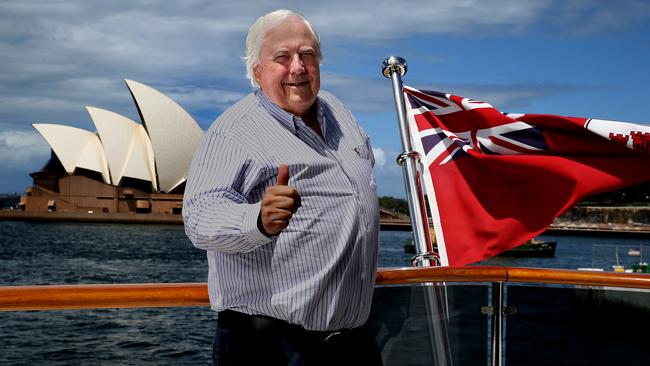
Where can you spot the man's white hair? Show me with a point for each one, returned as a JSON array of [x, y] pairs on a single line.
[[258, 31]]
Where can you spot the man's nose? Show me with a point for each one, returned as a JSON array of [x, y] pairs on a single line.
[[297, 66]]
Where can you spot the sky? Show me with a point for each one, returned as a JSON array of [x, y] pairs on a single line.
[[568, 57]]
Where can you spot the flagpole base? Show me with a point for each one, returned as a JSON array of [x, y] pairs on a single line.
[[426, 259]]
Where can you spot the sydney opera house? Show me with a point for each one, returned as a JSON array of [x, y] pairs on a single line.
[[124, 167]]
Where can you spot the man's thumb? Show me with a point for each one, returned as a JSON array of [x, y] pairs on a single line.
[[283, 175]]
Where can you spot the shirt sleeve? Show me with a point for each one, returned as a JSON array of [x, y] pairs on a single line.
[[217, 211]]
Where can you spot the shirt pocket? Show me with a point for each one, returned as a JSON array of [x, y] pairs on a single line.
[[364, 151]]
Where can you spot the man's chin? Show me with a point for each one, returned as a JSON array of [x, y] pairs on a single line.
[[306, 97], [299, 106]]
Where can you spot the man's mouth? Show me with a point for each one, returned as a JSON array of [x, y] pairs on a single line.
[[298, 83]]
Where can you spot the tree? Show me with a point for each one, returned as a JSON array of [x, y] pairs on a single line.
[[399, 205], [638, 195]]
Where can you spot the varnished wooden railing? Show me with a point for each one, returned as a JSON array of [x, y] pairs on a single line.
[[141, 295], [512, 274], [57, 297]]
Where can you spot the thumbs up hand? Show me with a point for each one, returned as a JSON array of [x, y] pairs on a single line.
[[279, 204]]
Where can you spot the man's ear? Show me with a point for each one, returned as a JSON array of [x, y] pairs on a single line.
[[256, 73]]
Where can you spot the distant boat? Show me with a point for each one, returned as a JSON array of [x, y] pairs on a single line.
[[633, 252], [532, 248]]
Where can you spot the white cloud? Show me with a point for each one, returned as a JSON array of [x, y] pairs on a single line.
[[23, 149], [380, 157], [60, 55], [506, 97], [388, 174], [360, 94], [380, 20], [580, 17], [203, 97], [365, 94], [57, 57]]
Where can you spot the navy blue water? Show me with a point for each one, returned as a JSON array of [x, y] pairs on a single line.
[[68, 253]]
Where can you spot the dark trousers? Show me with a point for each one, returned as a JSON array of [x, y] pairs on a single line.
[[242, 339]]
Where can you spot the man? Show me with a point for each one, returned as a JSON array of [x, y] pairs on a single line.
[[281, 196]]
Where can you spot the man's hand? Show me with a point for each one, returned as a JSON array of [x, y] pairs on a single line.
[[279, 203]]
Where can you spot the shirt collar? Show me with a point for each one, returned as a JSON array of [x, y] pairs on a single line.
[[287, 119]]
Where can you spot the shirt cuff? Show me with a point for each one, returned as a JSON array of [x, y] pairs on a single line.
[[249, 228]]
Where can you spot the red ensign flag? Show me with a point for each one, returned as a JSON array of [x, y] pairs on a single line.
[[495, 180]]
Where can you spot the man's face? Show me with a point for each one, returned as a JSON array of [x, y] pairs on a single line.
[[288, 71]]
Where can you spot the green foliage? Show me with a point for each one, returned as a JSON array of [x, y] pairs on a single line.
[[394, 204], [638, 195]]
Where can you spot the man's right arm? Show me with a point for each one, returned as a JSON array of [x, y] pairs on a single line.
[[220, 208]]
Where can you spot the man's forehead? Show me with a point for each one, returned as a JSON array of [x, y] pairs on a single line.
[[290, 32], [305, 48]]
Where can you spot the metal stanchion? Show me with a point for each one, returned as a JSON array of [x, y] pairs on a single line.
[[394, 68], [497, 322], [435, 300]]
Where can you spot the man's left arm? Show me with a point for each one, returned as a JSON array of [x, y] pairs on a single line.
[[220, 208]]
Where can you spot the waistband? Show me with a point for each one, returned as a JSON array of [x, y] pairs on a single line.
[[262, 324]]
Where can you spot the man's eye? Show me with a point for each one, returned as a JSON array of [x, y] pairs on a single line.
[[281, 58], [307, 56]]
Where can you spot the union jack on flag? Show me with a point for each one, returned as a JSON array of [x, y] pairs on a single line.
[[495, 180]]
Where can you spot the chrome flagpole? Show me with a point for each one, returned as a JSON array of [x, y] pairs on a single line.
[[434, 295], [394, 68]]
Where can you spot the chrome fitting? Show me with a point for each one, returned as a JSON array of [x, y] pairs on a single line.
[[427, 256], [394, 64], [406, 155]]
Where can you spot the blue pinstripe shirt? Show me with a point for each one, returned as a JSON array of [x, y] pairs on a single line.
[[319, 272]]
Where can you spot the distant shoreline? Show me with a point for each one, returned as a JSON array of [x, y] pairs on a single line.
[[91, 216], [564, 229], [561, 228]]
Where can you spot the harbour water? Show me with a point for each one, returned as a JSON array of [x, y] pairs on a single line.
[[75, 253]]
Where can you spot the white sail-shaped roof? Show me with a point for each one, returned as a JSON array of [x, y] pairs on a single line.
[[174, 134], [127, 146], [75, 148]]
